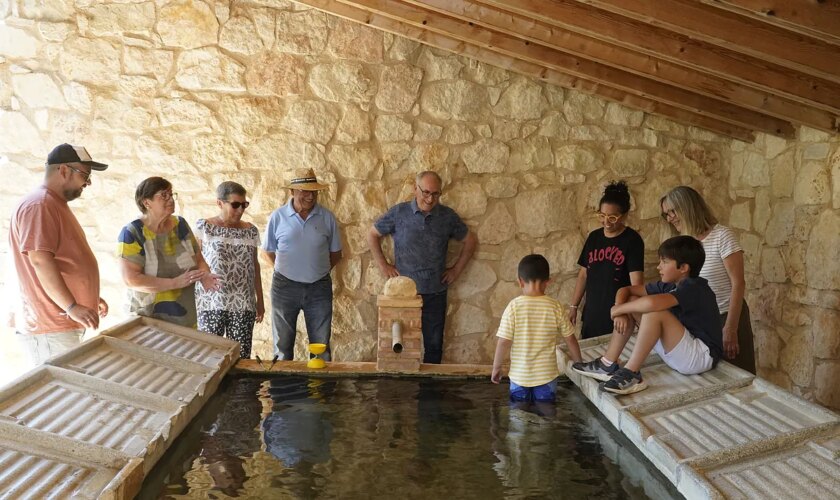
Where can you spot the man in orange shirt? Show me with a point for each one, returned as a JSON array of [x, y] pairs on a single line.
[[56, 270]]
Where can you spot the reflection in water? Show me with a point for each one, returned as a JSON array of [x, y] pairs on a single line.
[[297, 430], [295, 437]]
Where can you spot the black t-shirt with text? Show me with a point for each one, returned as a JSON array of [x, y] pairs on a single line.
[[608, 263]]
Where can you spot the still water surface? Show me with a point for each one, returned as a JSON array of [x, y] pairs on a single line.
[[298, 437]]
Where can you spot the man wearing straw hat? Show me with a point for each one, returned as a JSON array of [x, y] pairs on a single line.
[[303, 244]]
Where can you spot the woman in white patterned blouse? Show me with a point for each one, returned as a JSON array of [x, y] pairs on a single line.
[[229, 246]]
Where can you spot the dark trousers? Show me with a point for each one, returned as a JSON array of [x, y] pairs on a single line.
[[745, 359], [434, 319], [288, 299], [235, 325]]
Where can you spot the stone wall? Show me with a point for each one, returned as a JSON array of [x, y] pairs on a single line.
[[201, 92], [786, 205]]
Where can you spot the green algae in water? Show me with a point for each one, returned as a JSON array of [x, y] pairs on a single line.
[[298, 437]]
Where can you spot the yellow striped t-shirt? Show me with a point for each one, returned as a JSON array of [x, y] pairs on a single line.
[[532, 324]]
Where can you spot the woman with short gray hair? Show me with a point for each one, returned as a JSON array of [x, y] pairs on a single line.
[[229, 246]]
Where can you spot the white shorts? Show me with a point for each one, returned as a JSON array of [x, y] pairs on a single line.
[[690, 357]]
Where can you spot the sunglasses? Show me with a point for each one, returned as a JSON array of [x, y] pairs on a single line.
[[612, 219], [85, 175], [236, 205]]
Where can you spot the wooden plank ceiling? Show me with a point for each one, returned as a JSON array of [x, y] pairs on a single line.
[[730, 66]]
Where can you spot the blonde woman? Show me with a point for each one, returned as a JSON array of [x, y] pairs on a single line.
[[685, 210]]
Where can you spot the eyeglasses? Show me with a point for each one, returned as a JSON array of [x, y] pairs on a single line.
[[612, 219], [168, 195], [668, 214], [85, 175], [429, 194], [237, 204]]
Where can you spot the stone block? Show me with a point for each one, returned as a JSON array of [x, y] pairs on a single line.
[[522, 100], [486, 156], [497, 227], [344, 81], [458, 100], [552, 203], [812, 185], [822, 265], [467, 198], [399, 307], [187, 24], [400, 366], [398, 88]]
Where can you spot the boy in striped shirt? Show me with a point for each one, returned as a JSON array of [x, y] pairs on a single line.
[[528, 334]]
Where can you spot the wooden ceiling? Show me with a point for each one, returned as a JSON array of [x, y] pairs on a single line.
[[730, 66]]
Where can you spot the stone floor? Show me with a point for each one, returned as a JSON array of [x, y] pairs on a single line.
[[724, 433]]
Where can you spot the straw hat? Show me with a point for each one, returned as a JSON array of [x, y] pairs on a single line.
[[304, 179]]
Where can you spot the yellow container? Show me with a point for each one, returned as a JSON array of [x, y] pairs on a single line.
[[316, 362]]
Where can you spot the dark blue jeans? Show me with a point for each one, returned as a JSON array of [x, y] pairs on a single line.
[[288, 299], [434, 320]]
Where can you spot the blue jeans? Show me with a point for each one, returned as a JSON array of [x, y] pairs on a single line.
[[540, 393], [288, 299], [433, 322]]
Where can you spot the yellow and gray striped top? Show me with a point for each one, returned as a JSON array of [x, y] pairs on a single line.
[[532, 324]]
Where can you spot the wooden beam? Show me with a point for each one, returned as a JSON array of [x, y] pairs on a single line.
[[635, 62], [659, 42], [818, 19], [583, 68], [733, 32], [529, 69]]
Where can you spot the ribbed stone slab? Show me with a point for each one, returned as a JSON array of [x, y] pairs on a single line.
[[91, 422], [101, 413], [810, 470], [178, 341], [734, 418], [664, 384], [723, 433], [35, 464], [143, 368]]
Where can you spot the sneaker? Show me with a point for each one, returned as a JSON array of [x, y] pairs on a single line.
[[625, 382], [596, 369]]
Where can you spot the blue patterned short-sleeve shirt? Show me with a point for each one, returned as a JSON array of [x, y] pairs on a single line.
[[421, 241]]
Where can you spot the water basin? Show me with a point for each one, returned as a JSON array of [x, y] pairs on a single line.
[[375, 437]]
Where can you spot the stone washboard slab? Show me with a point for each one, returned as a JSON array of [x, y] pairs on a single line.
[[100, 415], [35, 464], [723, 433]]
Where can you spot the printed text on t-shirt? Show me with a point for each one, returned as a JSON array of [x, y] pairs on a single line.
[[612, 253]]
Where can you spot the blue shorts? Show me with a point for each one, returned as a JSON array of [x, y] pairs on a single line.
[[542, 393]]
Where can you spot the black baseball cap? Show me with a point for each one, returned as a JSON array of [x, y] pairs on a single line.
[[66, 153]]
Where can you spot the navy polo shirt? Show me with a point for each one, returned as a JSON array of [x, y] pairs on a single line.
[[421, 241], [302, 247], [696, 309]]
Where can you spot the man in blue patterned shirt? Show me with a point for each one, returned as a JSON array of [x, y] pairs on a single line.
[[421, 229]]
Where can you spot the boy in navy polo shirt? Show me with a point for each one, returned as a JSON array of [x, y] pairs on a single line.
[[677, 317]]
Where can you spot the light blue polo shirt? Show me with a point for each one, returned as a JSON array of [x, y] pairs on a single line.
[[302, 247]]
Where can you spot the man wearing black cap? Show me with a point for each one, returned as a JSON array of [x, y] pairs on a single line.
[[56, 269]]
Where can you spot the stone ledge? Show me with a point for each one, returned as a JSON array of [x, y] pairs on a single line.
[[345, 369], [724, 433]]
